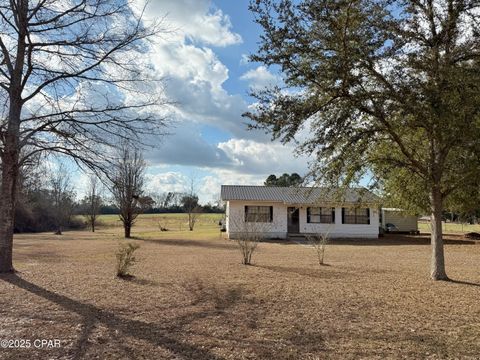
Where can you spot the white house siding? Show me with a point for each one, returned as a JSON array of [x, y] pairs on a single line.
[[278, 229], [339, 230], [235, 213]]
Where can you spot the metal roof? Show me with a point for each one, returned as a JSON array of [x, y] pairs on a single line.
[[297, 195]]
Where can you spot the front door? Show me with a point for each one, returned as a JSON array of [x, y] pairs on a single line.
[[293, 220]]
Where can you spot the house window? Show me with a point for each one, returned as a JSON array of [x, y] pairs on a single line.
[[320, 215], [258, 213], [356, 216]]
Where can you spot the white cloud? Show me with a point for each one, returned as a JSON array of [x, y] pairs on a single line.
[[209, 191], [187, 147], [190, 63], [194, 74], [195, 78], [251, 157], [207, 187], [196, 20], [165, 182], [244, 60], [259, 78], [243, 162], [195, 82]]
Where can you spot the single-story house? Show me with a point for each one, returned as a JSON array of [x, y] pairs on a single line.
[[397, 220], [280, 212]]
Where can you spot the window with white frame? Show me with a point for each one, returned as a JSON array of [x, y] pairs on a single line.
[[258, 214], [321, 215], [356, 216]]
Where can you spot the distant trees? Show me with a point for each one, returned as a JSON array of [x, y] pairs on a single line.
[[171, 202], [71, 83], [62, 196], [285, 180], [127, 180], [168, 201], [146, 203], [46, 201], [92, 202], [190, 204]]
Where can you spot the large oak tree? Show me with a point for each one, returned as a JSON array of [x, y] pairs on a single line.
[[389, 88], [74, 78]]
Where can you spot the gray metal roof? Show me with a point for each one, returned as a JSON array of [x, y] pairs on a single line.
[[296, 195]]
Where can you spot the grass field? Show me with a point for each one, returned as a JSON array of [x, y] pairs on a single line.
[[450, 228], [192, 299], [148, 226]]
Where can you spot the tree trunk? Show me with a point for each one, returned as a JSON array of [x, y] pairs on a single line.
[[438, 259], [7, 211], [8, 190], [127, 229], [11, 148]]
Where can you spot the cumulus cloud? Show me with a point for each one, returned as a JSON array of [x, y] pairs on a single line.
[[207, 187], [170, 181], [259, 78], [251, 157], [210, 185], [195, 79], [194, 74], [196, 20], [187, 147], [195, 83], [236, 161]]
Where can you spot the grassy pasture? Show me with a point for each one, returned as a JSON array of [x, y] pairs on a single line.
[[148, 226], [192, 299], [450, 228]]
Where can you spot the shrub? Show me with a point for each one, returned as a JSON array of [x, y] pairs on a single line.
[[247, 245], [249, 233], [125, 258], [163, 224], [319, 243]]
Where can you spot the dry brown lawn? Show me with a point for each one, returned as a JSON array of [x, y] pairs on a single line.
[[192, 299]]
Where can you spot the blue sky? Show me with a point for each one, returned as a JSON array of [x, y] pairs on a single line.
[[203, 56]]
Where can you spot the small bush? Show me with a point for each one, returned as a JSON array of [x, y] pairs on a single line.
[[163, 225], [319, 243], [247, 245], [250, 233], [125, 259]]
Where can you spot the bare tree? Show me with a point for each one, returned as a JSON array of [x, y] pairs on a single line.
[[73, 79], [63, 197], [190, 203], [93, 202], [127, 180]]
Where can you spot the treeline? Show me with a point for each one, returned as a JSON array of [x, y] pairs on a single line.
[[466, 217], [47, 201], [161, 207]]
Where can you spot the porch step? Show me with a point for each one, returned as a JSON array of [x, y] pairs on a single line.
[[295, 236]]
